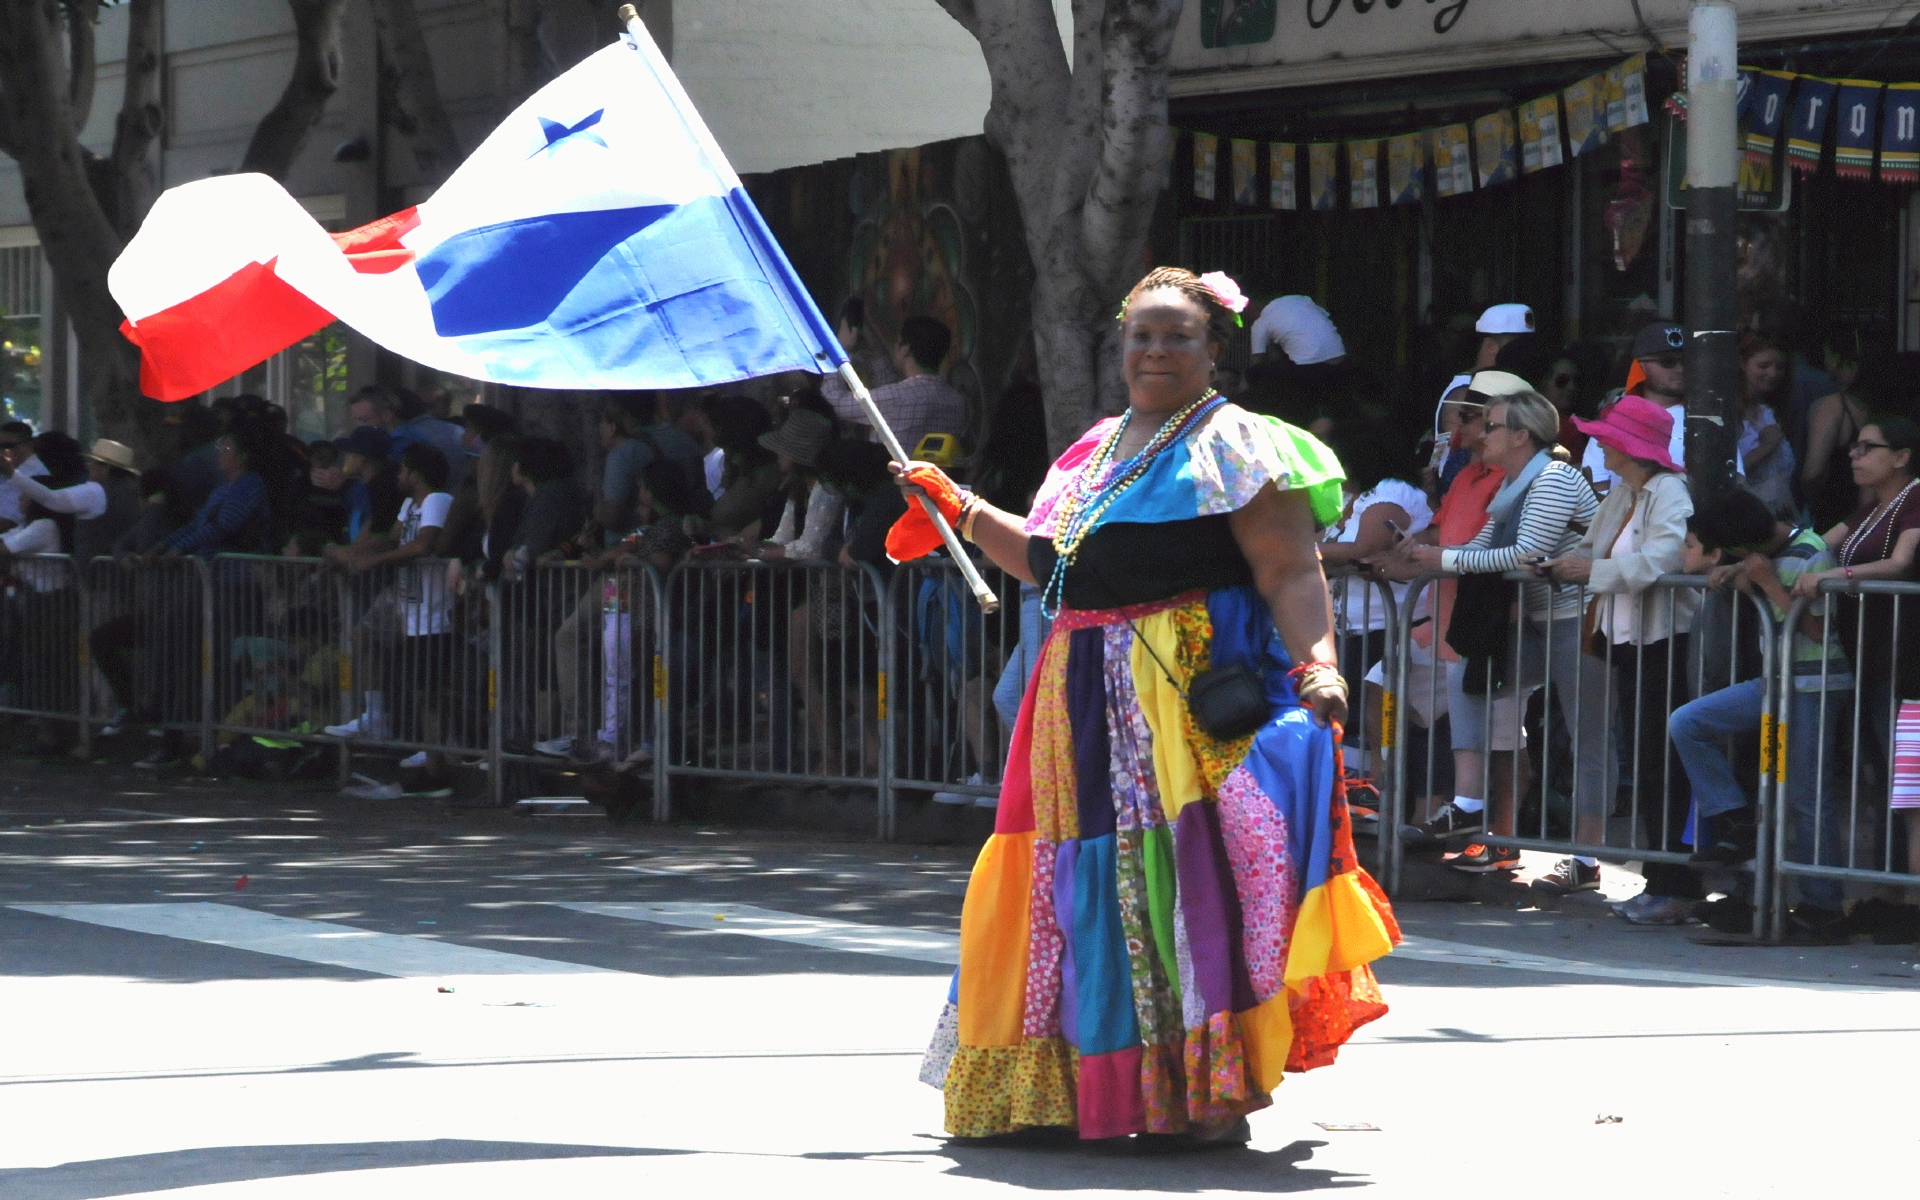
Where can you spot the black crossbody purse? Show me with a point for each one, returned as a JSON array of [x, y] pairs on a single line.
[[1227, 703]]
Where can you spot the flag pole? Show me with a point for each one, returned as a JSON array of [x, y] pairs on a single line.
[[981, 592], [630, 18]]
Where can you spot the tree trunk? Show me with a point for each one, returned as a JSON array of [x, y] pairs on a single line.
[[135, 183], [408, 71], [283, 132], [38, 128], [1086, 145]]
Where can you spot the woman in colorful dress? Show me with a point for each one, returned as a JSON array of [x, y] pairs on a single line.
[[1165, 919]]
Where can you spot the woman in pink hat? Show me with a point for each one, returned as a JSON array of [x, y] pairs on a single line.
[[1638, 535]]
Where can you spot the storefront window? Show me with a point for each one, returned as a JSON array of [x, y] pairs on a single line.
[[20, 375]]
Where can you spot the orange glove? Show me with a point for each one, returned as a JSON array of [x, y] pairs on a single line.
[[913, 535]]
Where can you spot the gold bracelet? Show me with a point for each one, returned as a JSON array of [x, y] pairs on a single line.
[[967, 515]]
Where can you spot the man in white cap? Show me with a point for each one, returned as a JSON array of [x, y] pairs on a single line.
[[1499, 325], [103, 507]]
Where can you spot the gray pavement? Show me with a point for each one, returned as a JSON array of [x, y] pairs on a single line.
[[405, 1000]]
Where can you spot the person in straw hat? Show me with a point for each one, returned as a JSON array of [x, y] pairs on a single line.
[[103, 507]]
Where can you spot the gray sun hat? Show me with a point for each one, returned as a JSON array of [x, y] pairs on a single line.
[[802, 438]]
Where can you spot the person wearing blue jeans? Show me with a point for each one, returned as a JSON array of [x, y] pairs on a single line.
[[1735, 539]]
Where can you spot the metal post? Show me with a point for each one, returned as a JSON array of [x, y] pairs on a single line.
[[84, 610], [884, 725], [204, 571], [1713, 349], [662, 801], [496, 786]]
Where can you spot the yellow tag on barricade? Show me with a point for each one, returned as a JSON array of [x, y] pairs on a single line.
[[1769, 744], [1389, 705], [880, 690], [659, 679]]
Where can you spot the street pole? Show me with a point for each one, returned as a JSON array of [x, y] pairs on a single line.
[[1712, 301]]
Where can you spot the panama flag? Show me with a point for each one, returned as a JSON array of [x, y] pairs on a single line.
[[597, 239]]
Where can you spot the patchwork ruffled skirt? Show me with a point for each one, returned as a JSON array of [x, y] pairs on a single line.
[[1162, 924]]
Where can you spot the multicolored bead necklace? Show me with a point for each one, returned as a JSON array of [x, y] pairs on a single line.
[[1087, 499]]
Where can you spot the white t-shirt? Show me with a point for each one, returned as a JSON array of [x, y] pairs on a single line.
[[715, 465], [1301, 329], [429, 604], [1361, 609], [10, 491], [36, 537]]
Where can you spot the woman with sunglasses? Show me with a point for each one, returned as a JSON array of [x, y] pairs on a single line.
[[1880, 542]]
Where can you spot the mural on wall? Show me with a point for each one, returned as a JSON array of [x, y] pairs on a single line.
[[908, 254]]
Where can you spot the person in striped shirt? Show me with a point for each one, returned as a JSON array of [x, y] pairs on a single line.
[[1541, 512]]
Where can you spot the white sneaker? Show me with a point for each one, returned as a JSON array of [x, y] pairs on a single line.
[[560, 747], [414, 761], [967, 798], [350, 729]]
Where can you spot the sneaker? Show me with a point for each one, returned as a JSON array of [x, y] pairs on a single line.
[[1570, 875], [1482, 858], [115, 724], [596, 753], [1808, 925], [350, 729], [966, 799], [1728, 914], [159, 760], [373, 789], [414, 761], [1449, 823], [560, 747], [437, 791], [1655, 910], [1729, 844]]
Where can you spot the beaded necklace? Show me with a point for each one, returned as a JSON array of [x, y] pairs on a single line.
[[1091, 493], [1887, 514]]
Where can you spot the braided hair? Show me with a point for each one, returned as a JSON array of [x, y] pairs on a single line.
[[1221, 320]]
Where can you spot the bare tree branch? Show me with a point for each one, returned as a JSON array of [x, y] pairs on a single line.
[[82, 63], [281, 134], [421, 115], [135, 182], [963, 12]]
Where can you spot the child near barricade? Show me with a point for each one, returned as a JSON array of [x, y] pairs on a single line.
[[1736, 539], [424, 616]]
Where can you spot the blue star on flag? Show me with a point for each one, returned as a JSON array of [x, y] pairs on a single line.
[[557, 133]]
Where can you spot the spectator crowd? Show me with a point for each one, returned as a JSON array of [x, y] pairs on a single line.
[[367, 557]]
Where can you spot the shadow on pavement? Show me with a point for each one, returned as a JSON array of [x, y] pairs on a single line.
[[1067, 1164], [101, 1178]]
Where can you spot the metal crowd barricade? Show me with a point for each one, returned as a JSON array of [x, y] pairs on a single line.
[[280, 648], [42, 648], [948, 736], [778, 670], [578, 670], [1598, 742], [148, 639], [1840, 826], [1366, 622], [413, 660]]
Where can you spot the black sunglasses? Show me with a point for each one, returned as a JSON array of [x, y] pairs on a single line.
[[1668, 361]]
